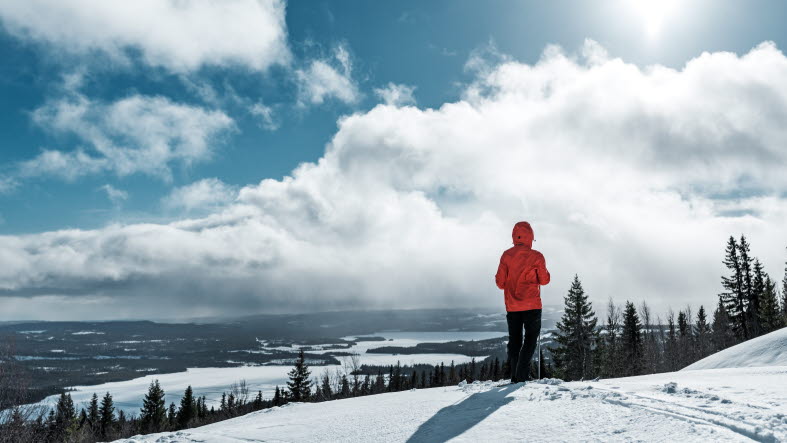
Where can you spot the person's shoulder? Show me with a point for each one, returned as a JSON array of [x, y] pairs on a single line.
[[509, 251], [537, 253]]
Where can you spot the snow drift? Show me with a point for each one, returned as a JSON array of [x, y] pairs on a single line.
[[767, 350]]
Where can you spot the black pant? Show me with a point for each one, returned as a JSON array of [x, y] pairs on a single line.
[[519, 355]]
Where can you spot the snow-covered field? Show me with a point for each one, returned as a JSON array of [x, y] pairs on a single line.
[[767, 350], [727, 404], [211, 382]]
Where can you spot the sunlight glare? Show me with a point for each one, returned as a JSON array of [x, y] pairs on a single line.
[[653, 13]]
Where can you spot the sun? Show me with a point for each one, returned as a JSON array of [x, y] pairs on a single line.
[[653, 14]]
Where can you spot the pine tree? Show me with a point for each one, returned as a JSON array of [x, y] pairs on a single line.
[[573, 356], [300, 384], [632, 341], [107, 417], [770, 315], [172, 416], [188, 408], [749, 291], [65, 419], [734, 295], [723, 335], [277, 400], [684, 340], [452, 379], [757, 293], [344, 387], [702, 333], [93, 414], [325, 388], [153, 415], [379, 383]]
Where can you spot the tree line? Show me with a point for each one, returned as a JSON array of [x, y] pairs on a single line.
[[630, 341], [101, 421]]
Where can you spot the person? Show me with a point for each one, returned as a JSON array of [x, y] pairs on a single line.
[[521, 274]]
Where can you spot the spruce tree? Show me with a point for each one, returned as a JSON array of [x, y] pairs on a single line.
[[734, 295], [93, 414], [723, 335], [573, 356], [344, 387], [277, 400], [172, 416], [325, 388], [188, 408], [300, 383], [749, 290], [632, 341], [153, 415], [107, 417], [758, 291], [702, 334], [685, 344], [770, 315], [65, 419]]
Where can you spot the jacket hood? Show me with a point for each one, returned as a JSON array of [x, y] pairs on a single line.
[[523, 234]]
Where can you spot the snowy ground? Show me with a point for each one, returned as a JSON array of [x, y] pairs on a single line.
[[739, 404], [766, 350], [211, 382]]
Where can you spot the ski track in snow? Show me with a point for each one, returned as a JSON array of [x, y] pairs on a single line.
[[737, 404]]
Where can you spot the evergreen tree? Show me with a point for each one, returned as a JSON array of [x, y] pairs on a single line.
[[452, 378], [784, 295], [277, 400], [300, 384], [344, 387], [702, 333], [93, 414], [684, 340], [153, 415], [757, 293], [770, 315], [325, 388], [577, 332], [107, 417], [723, 335], [632, 341], [172, 416], [734, 295], [65, 419], [188, 408], [671, 348], [749, 291]]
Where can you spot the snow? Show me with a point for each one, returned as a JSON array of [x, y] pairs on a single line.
[[723, 403], [767, 350], [740, 404]]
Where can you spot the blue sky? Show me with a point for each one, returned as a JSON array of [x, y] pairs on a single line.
[[421, 44], [175, 128]]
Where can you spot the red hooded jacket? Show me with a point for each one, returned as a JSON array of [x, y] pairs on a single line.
[[522, 272]]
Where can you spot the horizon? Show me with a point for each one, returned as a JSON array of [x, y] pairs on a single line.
[[301, 157]]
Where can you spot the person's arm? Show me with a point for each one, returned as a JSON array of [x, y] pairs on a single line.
[[542, 274], [502, 273]]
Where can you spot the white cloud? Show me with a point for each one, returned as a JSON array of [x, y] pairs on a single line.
[[327, 78], [618, 168], [396, 95], [137, 134], [265, 115], [180, 36], [207, 193], [115, 195]]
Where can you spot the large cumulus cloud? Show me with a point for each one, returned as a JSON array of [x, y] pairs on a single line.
[[633, 177]]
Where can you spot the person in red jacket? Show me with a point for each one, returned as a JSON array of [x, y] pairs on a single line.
[[521, 274]]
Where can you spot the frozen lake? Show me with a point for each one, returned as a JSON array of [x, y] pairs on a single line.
[[211, 382]]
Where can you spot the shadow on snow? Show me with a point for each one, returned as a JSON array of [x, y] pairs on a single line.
[[457, 418]]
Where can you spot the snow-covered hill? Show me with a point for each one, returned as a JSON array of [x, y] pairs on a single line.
[[767, 350], [727, 404]]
